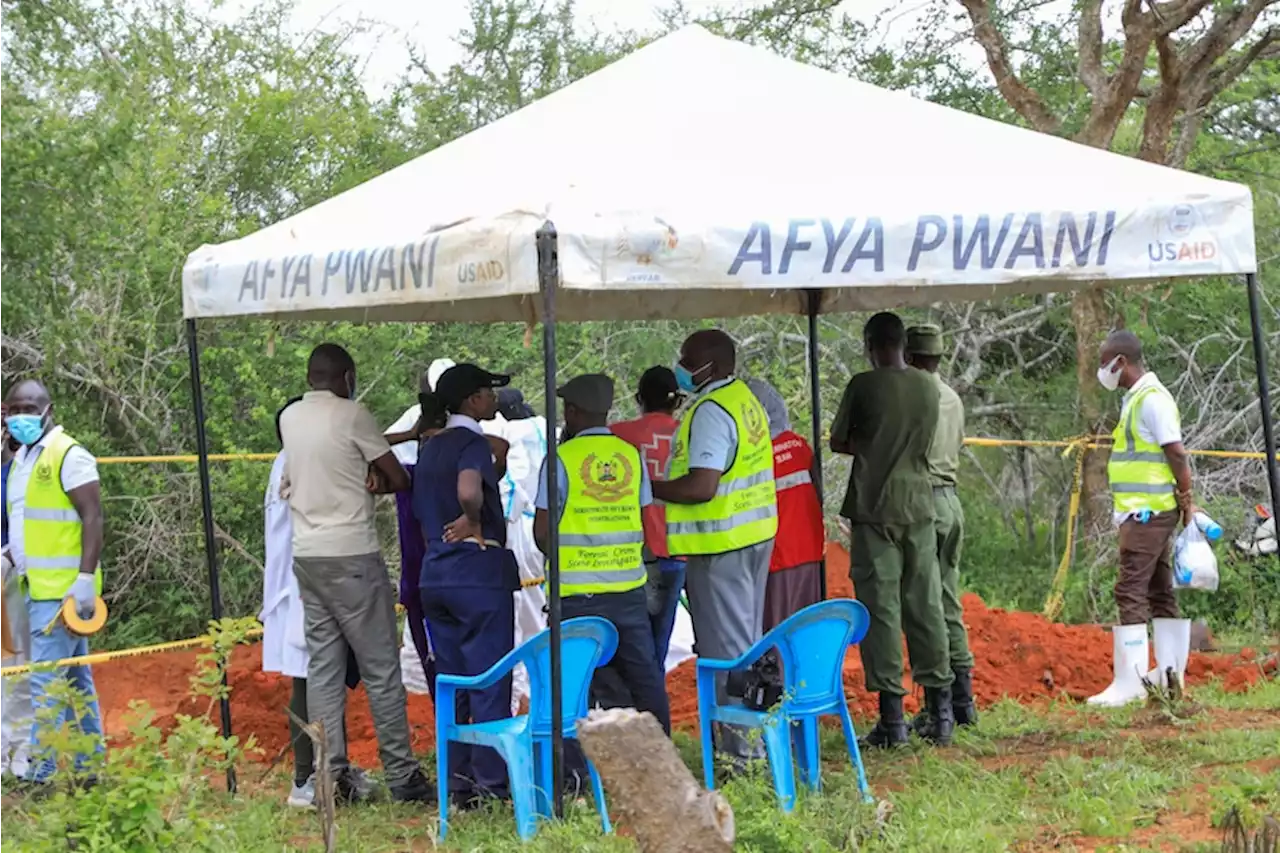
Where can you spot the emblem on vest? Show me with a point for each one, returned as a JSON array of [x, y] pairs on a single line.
[[607, 480], [753, 419], [44, 471]]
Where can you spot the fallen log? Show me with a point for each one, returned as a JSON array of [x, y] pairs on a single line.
[[650, 787]]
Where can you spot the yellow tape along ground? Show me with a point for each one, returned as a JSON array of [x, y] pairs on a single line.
[[1052, 605], [176, 645]]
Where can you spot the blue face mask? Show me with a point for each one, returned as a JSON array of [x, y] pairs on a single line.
[[26, 429], [684, 377]]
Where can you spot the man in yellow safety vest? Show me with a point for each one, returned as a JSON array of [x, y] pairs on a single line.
[[55, 540], [602, 488], [722, 509], [1151, 492]]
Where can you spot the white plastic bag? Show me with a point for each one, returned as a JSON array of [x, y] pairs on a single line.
[[1194, 563]]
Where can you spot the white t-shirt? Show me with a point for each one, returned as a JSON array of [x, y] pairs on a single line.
[[79, 468]]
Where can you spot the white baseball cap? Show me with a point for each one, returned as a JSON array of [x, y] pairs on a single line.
[[437, 368]]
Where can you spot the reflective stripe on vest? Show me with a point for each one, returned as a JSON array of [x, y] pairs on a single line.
[[1138, 470], [51, 526], [791, 481], [601, 531], [744, 511]]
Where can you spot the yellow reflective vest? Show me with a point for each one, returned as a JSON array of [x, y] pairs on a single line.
[[1138, 470], [601, 531], [51, 526], [744, 511]]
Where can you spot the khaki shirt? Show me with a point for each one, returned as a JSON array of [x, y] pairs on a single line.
[[329, 442], [944, 453]]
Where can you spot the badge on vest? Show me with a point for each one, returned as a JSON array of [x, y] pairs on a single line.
[[753, 419], [44, 471], [609, 479]]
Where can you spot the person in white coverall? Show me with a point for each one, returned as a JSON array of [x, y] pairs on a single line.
[[15, 731]]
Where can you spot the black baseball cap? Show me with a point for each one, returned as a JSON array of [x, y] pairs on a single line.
[[511, 405], [658, 383], [462, 380]]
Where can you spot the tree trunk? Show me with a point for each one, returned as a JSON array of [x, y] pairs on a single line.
[[1089, 316], [651, 787]]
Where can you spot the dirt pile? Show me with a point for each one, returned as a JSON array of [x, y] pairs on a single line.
[[1018, 655]]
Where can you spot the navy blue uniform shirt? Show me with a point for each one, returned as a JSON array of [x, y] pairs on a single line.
[[435, 504]]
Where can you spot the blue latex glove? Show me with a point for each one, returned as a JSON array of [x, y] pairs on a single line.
[[85, 594]]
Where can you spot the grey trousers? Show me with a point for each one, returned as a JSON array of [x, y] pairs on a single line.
[[349, 603], [726, 603]]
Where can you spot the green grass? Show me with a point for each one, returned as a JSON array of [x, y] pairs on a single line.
[[1054, 778]]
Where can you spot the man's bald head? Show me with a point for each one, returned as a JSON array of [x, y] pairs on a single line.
[[709, 355], [1121, 357], [1122, 342], [28, 397], [331, 368]]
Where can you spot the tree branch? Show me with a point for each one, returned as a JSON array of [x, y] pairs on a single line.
[[1090, 38], [1025, 100]]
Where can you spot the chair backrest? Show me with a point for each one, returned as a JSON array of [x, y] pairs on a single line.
[[812, 644], [585, 643]]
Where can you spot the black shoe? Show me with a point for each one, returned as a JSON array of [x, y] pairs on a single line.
[[962, 704], [891, 729], [348, 789], [941, 722], [413, 790]]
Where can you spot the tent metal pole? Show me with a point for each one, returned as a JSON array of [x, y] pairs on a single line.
[[1264, 393], [815, 395], [548, 280], [206, 509]]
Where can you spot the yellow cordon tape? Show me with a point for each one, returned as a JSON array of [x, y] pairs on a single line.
[[1052, 606], [158, 648], [103, 657], [84, 627]]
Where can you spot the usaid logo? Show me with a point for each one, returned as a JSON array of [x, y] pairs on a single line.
[[1182, 220], [1179, 246]]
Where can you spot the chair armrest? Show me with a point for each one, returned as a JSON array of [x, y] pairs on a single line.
[[489, 677], [742, 661]]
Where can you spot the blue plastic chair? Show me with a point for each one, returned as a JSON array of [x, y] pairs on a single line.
[[524, 742], [811, 644]]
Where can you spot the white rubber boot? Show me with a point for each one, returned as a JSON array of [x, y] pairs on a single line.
[[1129, 660], [1172, 641]]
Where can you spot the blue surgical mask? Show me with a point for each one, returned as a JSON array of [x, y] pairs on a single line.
[[351, 386], [26, 429], [684, 377]]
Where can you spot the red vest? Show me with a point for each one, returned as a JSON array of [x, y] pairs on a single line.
[[800, 531], [652, 435]]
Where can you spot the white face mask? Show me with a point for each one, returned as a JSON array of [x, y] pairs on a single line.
[[1109, 374]]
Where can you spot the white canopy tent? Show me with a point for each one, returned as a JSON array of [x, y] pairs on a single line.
[[700, 177]]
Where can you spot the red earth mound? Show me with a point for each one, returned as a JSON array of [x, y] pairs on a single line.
[[1018, 655]]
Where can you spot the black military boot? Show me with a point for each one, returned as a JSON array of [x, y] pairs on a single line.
[[891, 729], [966, 711], [941, 722]]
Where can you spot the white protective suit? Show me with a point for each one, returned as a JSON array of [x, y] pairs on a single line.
[[284, 638], [15, 727]]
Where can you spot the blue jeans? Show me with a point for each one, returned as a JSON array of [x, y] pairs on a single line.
[[666, 591], [56, 645]]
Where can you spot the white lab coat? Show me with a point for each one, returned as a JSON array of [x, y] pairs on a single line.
[[284, 639]]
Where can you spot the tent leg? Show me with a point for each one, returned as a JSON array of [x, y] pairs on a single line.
[[206, 509], [548, 279], [815, 394], [1264, 393]]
